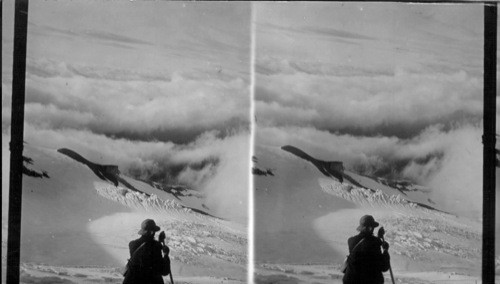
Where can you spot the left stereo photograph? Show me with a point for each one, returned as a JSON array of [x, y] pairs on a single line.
[[136, 141]]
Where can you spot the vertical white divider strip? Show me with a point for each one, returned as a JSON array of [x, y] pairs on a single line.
[[250, 277]]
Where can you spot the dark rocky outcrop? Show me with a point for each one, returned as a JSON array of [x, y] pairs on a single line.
[[333, 169], [30, 172], [104, 172], [330, 169], [260, 172]]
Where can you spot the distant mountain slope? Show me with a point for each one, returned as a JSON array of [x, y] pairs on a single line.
[[56, 211], [112, 173], [411, 193]]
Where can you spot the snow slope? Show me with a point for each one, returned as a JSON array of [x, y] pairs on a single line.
[[76, 225], [304, 216]]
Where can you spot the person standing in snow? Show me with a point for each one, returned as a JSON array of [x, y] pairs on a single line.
[[147, 265], [369, 255]]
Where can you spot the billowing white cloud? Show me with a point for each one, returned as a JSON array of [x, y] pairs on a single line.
[[228, 189], [367, 103], [110, 103], [458, 183]]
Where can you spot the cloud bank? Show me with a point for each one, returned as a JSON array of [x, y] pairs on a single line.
[[171, 109], [398, 104]]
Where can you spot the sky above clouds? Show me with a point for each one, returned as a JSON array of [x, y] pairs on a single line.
[[145, 68], [161, 89], [390, 89]]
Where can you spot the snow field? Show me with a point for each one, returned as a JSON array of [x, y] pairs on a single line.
[[196, 248], [363, 196], [46, 274], [421, 239], [413, 230], [328, 274], [189, 234]]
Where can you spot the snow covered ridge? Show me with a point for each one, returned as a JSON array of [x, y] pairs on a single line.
[[365, 190], [145, 202], [138, 200], [365, 197], [128, 193], [369, 197]]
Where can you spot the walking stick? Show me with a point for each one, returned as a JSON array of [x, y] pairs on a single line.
[[172, 279], [162, 237], [390, 268], [381, 233]]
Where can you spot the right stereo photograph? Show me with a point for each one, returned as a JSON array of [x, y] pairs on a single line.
[[367, 162]]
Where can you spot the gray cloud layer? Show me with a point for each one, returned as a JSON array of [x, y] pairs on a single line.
[[401, 104], [135, 105]]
